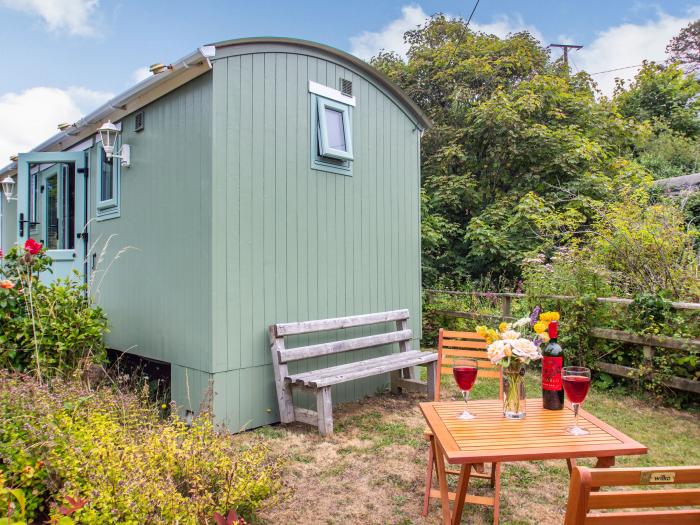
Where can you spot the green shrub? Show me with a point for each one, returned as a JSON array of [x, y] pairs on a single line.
[[50, 328], [108, 456]]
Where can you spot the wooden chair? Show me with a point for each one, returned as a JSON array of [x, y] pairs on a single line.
[[584, 498], [450, 346]]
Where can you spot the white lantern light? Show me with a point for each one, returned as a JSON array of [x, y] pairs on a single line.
[[8, 186], [109, 134]]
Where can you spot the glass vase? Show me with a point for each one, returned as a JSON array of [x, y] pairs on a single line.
[[514, 391]]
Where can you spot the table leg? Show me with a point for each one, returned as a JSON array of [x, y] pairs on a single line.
[[604, 462], [442, 479], [570, 464], [462, 486]]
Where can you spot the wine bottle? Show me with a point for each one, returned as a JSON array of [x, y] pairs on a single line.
[[552, 363]]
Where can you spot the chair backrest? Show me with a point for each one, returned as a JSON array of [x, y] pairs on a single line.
[[583, 503], [465, 344]]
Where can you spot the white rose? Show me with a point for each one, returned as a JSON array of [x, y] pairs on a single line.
[[497, 350], [522, 322], [510, 334], [525, 348]]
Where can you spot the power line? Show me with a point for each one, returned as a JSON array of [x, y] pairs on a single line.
[[615, 69], [476, 4], [472, 13]]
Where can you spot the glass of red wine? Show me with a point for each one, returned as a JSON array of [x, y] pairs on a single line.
[[465, 371], [577, 381]]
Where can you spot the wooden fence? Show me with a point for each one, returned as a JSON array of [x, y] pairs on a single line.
[[649, 343]]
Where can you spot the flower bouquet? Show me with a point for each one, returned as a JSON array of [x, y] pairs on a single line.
[[512, 347]]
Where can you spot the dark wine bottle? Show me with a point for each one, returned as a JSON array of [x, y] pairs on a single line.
[[552, 363]]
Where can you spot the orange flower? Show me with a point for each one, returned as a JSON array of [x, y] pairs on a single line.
[[6, 284]]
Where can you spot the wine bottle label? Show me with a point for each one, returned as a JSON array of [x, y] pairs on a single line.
[[551, 373]]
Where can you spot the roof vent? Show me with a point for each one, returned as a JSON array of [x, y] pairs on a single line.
[[139, 121], [346, 87], [63, 125], [14, 158]]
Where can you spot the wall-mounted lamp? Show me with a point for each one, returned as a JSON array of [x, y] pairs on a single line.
[[109, 134], [8, 187]]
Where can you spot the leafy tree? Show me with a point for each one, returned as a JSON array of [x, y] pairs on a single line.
[[663, 95], [685, 47], [520, 152]]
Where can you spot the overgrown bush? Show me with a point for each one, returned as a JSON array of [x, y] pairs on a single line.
[[49, 328], [106, 456]]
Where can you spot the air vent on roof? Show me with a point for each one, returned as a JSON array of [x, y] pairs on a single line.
[[139, 121], [346, 87]]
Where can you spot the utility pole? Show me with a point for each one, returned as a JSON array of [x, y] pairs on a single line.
[[566, 48]]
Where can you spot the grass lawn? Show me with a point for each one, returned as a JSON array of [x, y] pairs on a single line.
[[372, 469]]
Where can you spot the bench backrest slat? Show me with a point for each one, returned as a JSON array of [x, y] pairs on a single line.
[[323, 325], [305, 352]]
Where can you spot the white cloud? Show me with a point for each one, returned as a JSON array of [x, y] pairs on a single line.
[[504, 25], [35, 113], [390, 38], [628, 45], [140, 74], [75, 16]]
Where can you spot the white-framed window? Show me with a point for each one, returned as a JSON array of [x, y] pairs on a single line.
[[331, 129], [334, 130], [108, 185]]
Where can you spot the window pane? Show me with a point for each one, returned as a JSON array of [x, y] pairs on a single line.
[[107, 178], [52, 230], [336, 131]]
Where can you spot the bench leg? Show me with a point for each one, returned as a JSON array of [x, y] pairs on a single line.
[[431, 372], [395, 380], [324, 407]]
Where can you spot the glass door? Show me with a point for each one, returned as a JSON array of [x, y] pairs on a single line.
[[51, 208]]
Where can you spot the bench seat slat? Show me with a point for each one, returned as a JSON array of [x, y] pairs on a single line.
[[345, 345], [323, 372], [368, 368], [322, 325]]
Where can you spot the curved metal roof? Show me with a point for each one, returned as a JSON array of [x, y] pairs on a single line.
[[372, 73], [197, 63]]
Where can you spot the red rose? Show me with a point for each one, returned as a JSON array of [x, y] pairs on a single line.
[[1, 254], [32, 246]]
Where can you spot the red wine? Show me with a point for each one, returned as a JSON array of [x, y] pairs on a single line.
[[465, 376], [576, 388], [552, 363]]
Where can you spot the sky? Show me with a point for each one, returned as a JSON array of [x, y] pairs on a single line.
[[64, 58]]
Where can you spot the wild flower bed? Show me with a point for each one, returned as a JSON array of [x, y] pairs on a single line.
[[48, 328], [71, 454]]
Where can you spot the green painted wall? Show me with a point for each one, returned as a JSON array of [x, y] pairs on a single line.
[[291, 243], [154, 281]]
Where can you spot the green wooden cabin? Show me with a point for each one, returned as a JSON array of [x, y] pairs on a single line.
[[270, 180]]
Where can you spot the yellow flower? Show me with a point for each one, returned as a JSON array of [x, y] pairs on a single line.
[[508, 352], [540, 327], [503, 327], [549, 316]]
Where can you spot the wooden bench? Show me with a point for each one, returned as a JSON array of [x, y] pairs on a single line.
[[400, 364], [585, 497]]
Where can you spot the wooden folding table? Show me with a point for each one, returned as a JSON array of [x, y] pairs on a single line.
[[492, 438]]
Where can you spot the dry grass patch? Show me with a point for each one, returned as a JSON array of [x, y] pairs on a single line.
[[372, 469]]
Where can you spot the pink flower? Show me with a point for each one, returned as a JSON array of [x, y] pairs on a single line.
[[32, 246], [1, 254]]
